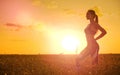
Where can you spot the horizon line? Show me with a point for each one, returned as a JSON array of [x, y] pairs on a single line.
[[59, 54]]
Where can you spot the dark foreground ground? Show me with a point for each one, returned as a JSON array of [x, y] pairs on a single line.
[[109, 64]]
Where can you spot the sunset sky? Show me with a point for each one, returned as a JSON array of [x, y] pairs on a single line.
[[47, 26]]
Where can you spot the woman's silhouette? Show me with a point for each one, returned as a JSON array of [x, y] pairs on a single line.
[[92, 47]]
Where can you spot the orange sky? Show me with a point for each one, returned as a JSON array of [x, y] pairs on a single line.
[[39, 26]]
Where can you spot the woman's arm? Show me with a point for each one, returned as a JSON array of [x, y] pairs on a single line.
[[103, 32]]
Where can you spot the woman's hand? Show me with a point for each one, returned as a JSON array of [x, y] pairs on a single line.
[[103, 32]]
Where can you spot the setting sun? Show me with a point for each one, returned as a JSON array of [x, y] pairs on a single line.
[[70, 43]]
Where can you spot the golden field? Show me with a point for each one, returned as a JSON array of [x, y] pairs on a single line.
[[109, 64]]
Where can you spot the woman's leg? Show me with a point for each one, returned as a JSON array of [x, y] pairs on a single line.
[[94, 55], [80, 59], [85, 52]]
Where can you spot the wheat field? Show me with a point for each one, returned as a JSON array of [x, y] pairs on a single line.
[[109, 64]]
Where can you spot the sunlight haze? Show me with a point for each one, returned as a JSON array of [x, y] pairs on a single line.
[[44, 26]]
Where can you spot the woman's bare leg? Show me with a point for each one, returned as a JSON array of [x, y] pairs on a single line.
[[82, 55]]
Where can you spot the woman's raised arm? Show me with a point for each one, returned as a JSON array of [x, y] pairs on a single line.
[[103, 32]]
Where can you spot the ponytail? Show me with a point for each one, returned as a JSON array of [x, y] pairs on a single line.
[[96, 18]]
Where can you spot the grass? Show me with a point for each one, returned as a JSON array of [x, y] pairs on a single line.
[[109, 64]]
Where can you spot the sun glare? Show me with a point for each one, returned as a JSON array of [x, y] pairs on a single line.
[[70, 43]]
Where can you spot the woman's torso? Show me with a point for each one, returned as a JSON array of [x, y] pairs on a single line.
[[90, 32]]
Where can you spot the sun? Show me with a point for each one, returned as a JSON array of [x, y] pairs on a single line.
[[70, 43]]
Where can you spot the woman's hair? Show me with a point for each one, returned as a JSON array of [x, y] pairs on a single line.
[[95, 16]]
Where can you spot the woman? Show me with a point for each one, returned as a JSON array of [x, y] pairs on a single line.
[[90, 31]]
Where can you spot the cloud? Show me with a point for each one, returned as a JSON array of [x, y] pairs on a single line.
[[13, 26], [50, 4], [36, 2], [69, 11], [98, 10], [36, 27], [17, 40]]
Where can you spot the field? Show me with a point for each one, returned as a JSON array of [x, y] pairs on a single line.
[[109, 64]]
